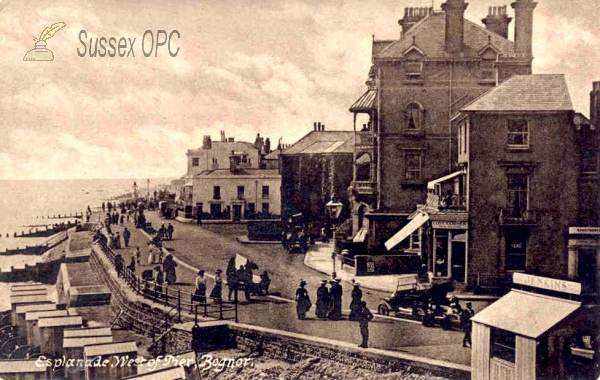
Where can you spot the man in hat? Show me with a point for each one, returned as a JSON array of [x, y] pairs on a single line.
[[365, 317], [356, 304], [322, 300], [336, 293], [466, 324]]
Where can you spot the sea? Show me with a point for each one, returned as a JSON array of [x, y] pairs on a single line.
[[29, 204]]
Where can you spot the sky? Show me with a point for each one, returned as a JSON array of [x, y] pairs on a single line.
[[271, 67]]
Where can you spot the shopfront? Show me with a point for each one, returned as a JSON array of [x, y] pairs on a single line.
[[584, 259], [529, 335], [449, 248]]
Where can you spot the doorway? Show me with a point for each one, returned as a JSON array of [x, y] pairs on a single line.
[[237, 212], [458, 261], [587, 270]]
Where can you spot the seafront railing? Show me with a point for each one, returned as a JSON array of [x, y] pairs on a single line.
[[179, 300]]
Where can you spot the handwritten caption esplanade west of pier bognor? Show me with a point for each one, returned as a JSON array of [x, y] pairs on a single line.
[[205, 362]]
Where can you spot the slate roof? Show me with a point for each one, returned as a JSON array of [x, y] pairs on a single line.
[[540, 92], [323, 142], [430, 38]]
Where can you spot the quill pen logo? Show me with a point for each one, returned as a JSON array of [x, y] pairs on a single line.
[[41, 53]]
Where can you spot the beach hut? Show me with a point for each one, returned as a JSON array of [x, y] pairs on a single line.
[[172, 373], [88, 331], [32, 330], [22, 310], [97, 355], [29, 292], [32, 286], [73, 349], [23, 370], [51, 332], [25, 300], [532, 331]]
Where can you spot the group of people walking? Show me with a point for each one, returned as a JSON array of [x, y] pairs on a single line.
[[216, 293], [329, 305], [166, 233]]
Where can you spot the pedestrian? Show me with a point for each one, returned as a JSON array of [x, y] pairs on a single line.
[[232, 280], [322, 300], [170, 230], [131, 265], [119, 263], [150, 253], [243, 280], [200, 292], [160, 279], [466, 324], [122, 219], [265, 282], [335, 293], [216, 293], [126, 236], [303, 303], [356, 304], [365, 317], [169, 269], [137, 254], [109, 206], [118, 241], [199, 219], [103, 207], [127, 217]]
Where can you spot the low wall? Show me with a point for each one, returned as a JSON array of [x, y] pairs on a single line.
[[293, 348], [40, 272]]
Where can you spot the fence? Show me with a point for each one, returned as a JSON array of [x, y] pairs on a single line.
[[176, 298]]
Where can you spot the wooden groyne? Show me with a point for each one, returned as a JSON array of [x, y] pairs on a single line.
[[39, 249], [48, 231], [65, 216]]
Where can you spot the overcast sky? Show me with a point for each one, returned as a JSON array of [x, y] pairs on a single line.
[[245, 67]]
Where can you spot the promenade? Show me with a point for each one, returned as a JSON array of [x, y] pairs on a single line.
[[196, 247]]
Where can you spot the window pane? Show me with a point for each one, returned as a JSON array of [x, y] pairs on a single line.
[[518, 132], [503, 345]]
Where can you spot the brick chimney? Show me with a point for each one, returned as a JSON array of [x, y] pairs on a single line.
[[411, 17], [595, 105], [497, 21], [206, 142], [455, 24], [267, 146], [524, 27]]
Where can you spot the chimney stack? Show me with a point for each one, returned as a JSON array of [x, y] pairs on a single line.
[[319, 126], [411, 17], [223, 139], [524, 27], [206, 142], [267, 146], [315, 126], [497, 21], [323, 128], [595, 105], [455, 24]]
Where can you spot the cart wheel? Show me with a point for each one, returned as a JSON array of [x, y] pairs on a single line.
[[382, 309]]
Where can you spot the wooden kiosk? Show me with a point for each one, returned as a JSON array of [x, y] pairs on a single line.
[[530, 332]]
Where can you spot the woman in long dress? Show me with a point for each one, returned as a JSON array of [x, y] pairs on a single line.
[[356, 304], [303, 303], [200, 293], [169, 268], [322, 300], [150, 253], [216, 292]]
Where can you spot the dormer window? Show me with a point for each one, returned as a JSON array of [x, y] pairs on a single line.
[[414, 117], [413, 70]]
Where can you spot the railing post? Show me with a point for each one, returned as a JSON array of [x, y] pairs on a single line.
[[220, 311], [166, 295], [205, 308], [235, 302], [179, 304], [192, 304], [196, 314]]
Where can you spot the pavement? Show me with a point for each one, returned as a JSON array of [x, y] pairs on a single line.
[[209, 247]]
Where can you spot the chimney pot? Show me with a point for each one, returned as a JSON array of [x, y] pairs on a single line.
[[315, 126], [323, 128]]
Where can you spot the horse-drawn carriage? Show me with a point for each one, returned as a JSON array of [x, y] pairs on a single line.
[[294, 236]]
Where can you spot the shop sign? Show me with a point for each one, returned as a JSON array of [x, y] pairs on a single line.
[[584, 243], [449, 225], [584, 230], [547, 283]]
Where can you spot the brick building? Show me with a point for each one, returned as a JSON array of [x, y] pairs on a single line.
[[440, 63], [313, 170], [526, 177]]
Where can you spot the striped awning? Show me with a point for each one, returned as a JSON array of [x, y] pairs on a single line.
[[366, 102], [364, 159], [360, 235]]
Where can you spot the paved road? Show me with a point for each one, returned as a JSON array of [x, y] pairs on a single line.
[[203, 248]]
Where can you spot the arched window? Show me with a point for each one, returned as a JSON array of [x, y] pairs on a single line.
[[414, 117]]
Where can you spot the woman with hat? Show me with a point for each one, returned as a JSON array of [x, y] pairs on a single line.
[[322, 300], [356, 304], [200, 293], [216, 292], [335, 293], [303, 303]]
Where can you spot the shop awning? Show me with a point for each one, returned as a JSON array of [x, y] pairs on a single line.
[[431, 185], [526, 314], [360, 235], [405, 232]]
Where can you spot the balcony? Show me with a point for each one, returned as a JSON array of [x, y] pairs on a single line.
[[365, 187], [365, 138], [509, 217], [453, 202]]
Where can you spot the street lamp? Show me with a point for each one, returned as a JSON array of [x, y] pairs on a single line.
[[334, 208]]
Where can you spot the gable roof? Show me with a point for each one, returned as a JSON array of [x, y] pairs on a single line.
[[323, 142], [540, 92], [430, 38]]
